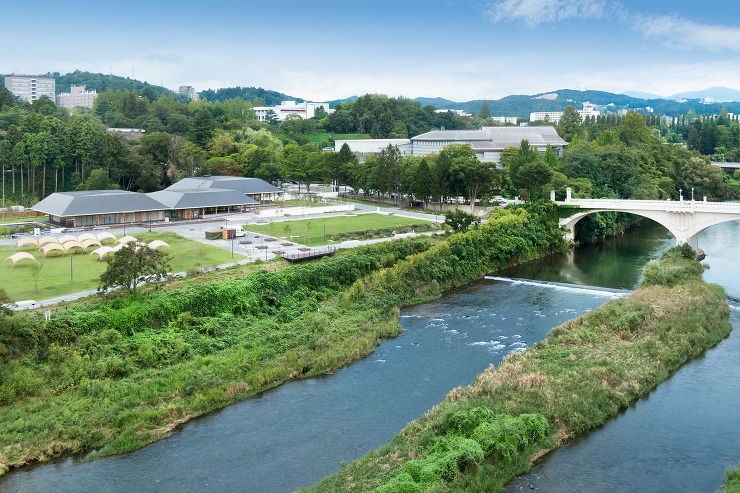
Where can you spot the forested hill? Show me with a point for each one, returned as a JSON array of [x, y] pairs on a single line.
[[102, 82], [522, 105], [257, 95]]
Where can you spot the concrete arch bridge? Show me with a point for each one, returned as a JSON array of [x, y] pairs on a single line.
[[683, 218]]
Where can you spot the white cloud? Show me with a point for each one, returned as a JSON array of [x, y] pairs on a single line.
[[676, 32], [535, 12]]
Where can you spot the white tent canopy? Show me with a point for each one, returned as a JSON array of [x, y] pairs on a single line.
[[157, 243], [47, 239], [106, 236], [90, 242], [51, 247], [26, 241], [20, 256], [102, 251]]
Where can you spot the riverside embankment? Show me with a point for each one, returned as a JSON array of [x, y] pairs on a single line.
[[584, 372], [109, 378]]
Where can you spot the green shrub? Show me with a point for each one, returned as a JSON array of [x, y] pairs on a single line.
[[676, 266]]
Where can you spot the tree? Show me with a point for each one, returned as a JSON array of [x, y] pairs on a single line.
[[133, 265], [6, 303], [633, 129], [570, 124], [459, 220], [468, 176], [97, 180], [485, 111]]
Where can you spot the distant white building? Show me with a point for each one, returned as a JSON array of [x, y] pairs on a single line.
[[31, 87], [188, 91], [589, 110], [305, 110], [541, 116], [454, 112], [504, 119], [77, 97]]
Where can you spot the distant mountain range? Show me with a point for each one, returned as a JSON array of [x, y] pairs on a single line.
[[522, 105], [705, 102]]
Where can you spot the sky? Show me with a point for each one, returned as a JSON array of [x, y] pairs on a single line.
[[322, 50]]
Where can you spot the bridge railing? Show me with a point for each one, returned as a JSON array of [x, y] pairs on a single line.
[[664, 205]]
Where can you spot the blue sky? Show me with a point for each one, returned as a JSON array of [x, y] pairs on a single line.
[[330, 49]]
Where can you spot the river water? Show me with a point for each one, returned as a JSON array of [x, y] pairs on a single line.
[[295, 435]]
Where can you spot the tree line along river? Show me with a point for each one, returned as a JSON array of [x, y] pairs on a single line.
[[681, 437]]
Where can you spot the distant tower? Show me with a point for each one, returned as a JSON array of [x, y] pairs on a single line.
[[188, 91]]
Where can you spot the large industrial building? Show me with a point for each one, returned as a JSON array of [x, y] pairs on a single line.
[[487, 142]]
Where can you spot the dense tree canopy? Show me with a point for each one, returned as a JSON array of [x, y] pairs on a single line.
[[46, 149]]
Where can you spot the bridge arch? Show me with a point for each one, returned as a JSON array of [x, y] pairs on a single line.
[[683, 219]]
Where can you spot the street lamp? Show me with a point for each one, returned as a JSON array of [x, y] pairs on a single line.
[[680, 194], [692, 194]]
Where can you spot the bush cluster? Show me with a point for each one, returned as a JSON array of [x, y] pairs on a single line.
[[467, 439]]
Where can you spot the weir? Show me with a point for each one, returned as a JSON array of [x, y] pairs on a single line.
[[684, 219]]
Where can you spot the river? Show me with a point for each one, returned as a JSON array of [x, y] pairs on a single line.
[[295, 435]]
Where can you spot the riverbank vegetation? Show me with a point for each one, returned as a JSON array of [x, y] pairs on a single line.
[[586, 371], [110, 377], [732, 485]]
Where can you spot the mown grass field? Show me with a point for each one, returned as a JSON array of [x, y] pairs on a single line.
[[57, 275], [313, 232], [24, 219]]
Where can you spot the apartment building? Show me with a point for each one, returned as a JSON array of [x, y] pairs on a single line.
[[31, 87], [77, 97]]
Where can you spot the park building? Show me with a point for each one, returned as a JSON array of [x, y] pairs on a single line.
[[31, 87], [487, 142], [190, 198], [305, 110], [77, 97]]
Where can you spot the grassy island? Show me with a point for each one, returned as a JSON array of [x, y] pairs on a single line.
[[584, 372]]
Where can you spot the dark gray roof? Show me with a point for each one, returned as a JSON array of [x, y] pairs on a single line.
[[89, 202], [193, 199], [240, 184], [497, 137]]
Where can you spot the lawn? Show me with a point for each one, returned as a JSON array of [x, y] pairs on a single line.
[[62, 274], [24, 219], [311, 232]]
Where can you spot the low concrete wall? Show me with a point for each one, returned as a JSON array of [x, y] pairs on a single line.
[[306, 211]]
